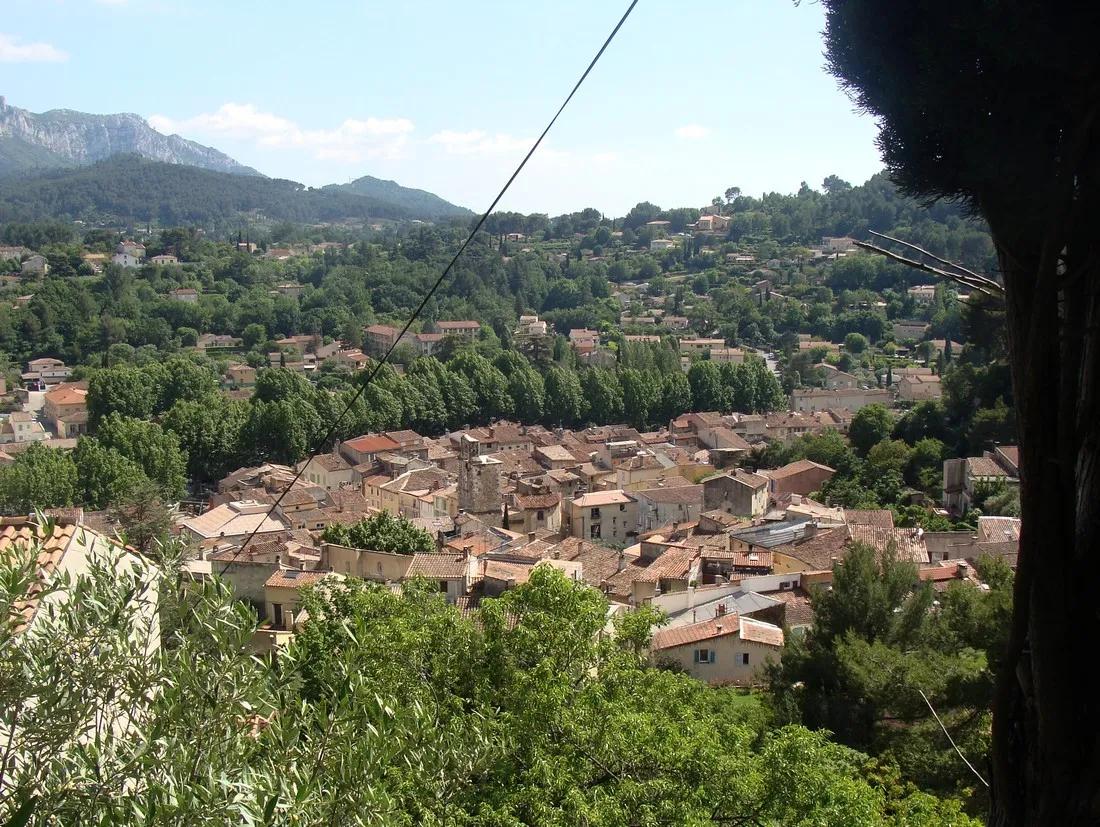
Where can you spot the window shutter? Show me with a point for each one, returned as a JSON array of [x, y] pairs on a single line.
[[696, 655], [712, 656]]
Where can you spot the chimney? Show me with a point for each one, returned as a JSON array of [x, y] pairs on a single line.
[[963, 570], [331, 569], [530, 536], [622, 561], [303, 565], [467, 550], [718, 626], [675, 526], [810, 530]]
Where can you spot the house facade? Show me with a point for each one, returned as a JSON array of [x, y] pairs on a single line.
[[724, 650]]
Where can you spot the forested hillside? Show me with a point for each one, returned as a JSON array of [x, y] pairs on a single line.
[[128, 188], [417, 202]]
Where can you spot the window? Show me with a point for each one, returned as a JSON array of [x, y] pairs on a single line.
[[277, 615], [379, 568], [741, 658], [540, 516], [704, 655], [622, 507], [594, 532], [595, 514], [443, 586]]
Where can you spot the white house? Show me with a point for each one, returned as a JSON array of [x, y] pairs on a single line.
[[126, 260]]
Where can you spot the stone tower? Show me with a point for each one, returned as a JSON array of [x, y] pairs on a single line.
[[478, 482]]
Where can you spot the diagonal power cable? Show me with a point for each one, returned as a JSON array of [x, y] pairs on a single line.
[[438, 283]]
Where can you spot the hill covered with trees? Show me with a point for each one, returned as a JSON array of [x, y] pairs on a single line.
[[417, 202], [129, 188]]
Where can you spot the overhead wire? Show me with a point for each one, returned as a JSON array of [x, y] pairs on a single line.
[[325, 440]]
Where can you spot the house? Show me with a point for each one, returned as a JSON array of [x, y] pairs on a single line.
[[466, 329], [922, 294], [328, 471], [584, 340], [12, 253], [21, 426], [736, 492], [427, 344], [838, 380], [185, 294], [658, 225], [536, 512], [802, 477], [920, 388], [240, 376], [66, 409], [34, 265], [455, 572], [844, 244], [292, 290], [233, 521], [213, 340], [724, 650], [44, 372], [608, 515], [555, 457], [727, 355], [282, 595], [363, 450], [904, 329], [809, 400], [531, 326], [668, 506], [712, 223], [381, 337], [658, 245], [125, 260], [131, 248], [700, 346], [164, 259], [962, 477], [353, 359]]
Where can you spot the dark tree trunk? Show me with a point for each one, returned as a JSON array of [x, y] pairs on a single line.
[[1046, 731]]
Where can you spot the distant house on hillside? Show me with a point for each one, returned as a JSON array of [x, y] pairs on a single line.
[[35, 265], [125, 260], [164, 259], [185, 294]]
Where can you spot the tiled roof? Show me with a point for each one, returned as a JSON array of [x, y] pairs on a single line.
[[687, 495], [820, 551], [985, 467], [556, 453], [674, 564], [298, 496], [292, 578], [878, 517], [332, 462], [599, 562], [999, 529], [372, 444], [438, 566], [799, 610], [599, 498], [909, 542], [534, 502], [797, 468], [695, 633], [403, 436], [18, 538], [740, 559], [759, 632], [509, 572]]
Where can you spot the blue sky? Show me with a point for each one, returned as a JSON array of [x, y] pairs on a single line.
[[447, 96]]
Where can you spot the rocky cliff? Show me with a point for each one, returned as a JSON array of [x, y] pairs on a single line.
[[62, 137]]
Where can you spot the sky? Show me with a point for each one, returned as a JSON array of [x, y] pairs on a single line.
[[448, 96]]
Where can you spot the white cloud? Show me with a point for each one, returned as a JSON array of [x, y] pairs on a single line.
[[481, 143], [352, 141], [692, 130], [12, 51]]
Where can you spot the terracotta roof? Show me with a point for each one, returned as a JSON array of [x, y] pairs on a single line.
[[403, 436], [332, 462], [556, 453], [909, 542], [688, 494], [799, 610], [372, 444], [599, 562], [696, 633], [820, 551], [298, 496], [478, 544], [999, 529], [1011, 453], [438, 566], [759, 632], [515, 573], [674, 564], [797, 468], [534, 502], [879, 517], [292, 578], [598, 498], [985, 467], [740, 559]]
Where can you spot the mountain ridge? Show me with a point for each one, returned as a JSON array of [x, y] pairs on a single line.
[[67, 137]]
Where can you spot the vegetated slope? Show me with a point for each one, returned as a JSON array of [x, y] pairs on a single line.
[[419, 202], [132, 188], [64, 137]]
